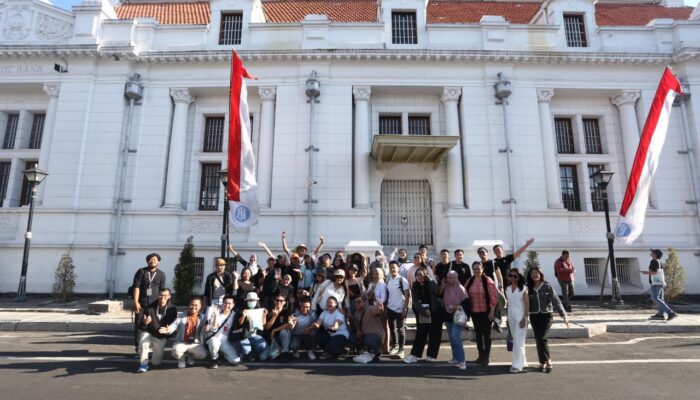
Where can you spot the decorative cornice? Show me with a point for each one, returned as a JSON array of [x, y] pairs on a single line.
[[450, 93], [52, 89], [267, 93], [181, 95], [361, 93], [625, 97], [545, 95]]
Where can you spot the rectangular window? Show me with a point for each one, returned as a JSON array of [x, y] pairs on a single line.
[[575, 30], [419, 125], [8, 141], [403, 28], [389, 124], [209, 187], [213, 134], [597, 199], [565, 135], [37, 131], [592, 133], [569, 187], [26, 193], [622, 266], [592, 267], [198, 273], [231, 28], [4, 180]]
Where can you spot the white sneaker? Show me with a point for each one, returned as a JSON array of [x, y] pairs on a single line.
[[181, 363], [462, 365], [236, 361], [429, 359], [400, 354], [311, 355], [364, 358], [452, 361], [394, 351], [410, 359]]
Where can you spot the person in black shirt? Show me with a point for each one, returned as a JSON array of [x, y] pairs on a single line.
[[155, 315], [657, 281], [278, 327], [148, 282], [462, 269], [503, 261], [218, 284], [443, 267]]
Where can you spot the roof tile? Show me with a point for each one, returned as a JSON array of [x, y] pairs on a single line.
[[197, 13], [336, 10], [464, 12], [636, 14]]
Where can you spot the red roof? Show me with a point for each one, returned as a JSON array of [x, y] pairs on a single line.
[[453, 11], [167, 13], [336, 10], [636, 14]]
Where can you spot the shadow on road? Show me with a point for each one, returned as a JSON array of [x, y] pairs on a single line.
[[72, 368]]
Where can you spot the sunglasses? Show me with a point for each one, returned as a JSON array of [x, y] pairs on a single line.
[[280, 300]]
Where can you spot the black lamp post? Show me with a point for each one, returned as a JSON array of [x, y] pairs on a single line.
[[34, 176], [602, 179], [223, 175]]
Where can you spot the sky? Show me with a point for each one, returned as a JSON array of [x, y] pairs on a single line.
[[67, 4]]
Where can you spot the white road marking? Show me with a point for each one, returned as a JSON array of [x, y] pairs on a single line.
[[627, 342]]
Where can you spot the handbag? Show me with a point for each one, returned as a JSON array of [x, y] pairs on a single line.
[[659, 278], [460, 317]]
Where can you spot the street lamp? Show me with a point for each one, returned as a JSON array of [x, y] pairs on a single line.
[[34, 176], [223, 175], [602, 178]]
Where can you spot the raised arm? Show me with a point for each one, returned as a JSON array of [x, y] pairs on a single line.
[[321, 241], [284, 242], [524, 247], [267, 249]]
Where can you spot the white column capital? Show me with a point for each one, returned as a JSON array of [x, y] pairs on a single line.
[[545, 95], [267, 93], [52, 89], [361, 93], [450, 93], [181, 95], [625, 97]]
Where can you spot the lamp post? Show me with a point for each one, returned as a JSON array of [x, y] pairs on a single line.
[[602, 179], [34, 176], [313, 90], [223, 175]]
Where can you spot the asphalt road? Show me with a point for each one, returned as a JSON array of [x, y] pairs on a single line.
[[101, 366]]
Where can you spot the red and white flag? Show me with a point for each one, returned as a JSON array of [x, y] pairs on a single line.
[[634, 205], [242, 185]]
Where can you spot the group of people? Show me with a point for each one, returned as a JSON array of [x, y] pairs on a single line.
[[336, 305]]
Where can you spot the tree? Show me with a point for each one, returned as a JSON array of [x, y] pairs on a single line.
[[675, 276], [183, 282], [532, 261], [64, 278]]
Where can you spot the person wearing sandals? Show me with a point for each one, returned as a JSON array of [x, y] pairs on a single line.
[[483, 301], [518, 314], [428, 311], [543, 300], [454, 296]]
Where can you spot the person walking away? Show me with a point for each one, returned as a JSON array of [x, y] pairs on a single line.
[[657, 281]]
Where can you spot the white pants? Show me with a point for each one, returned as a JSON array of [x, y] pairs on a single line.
[[194, 350], [148, 343], [221, 344]]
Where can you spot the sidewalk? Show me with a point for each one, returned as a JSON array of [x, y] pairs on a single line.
[[587, 320]]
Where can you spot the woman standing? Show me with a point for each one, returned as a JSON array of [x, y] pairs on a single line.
[[543, 299], [428, 311], [454, 296], [518, 310], [482, 294]]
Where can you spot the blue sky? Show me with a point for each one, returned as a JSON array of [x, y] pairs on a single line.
[[68, 3]]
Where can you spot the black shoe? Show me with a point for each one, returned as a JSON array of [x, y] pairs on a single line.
[[478, 360], [657, 316], [214, 365], [568, 309], [672, 316], [485, 362]]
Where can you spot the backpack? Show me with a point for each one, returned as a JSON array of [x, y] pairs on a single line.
[[386, 288]]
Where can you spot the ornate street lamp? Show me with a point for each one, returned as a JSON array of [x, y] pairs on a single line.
[[602, 179], [34, 176], [223, 175]]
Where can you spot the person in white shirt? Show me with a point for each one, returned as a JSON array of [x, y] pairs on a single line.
[[397, 309], [331, 288], [216, 332], [335, 335]]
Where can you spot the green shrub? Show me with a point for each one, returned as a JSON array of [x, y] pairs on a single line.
[[64, 278], [183, 281], [675, 276]]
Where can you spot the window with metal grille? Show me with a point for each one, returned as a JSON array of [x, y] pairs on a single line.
[[419, 125], [569, 187], [209, 187], [198, 273], [565, 135], [389, 124], [575, 30], [622, 266], [592, 270], [37, 131], [26, 193], [597, 198], [8, 141], [231, 28], [403, 28], [4, 180], [591, 131], [213, 134], [406, 210]]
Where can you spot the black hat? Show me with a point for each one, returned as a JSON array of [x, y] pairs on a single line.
[[658, 253]]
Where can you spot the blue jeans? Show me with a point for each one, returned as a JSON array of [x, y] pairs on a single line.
[[657, 294], [257, 343], [454, 331]]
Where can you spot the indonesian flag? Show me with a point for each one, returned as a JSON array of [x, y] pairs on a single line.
[[242, 186], [631, 221]]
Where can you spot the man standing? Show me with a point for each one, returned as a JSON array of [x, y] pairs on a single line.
[[657, 280], [443, 267], [397, 309], [152, 318], [189, 341], [370, 330], [462, 268], [564, 271], [218, 284], [148, 282]]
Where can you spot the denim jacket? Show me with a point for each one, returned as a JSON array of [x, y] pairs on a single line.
[[544, 300]]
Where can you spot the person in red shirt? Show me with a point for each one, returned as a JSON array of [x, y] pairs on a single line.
[[564, 271]]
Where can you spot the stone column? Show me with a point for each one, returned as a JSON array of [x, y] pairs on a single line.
[[52, 90], [265, 153], [361, 149], [449, 98], [176, 155], [549, 149], [625, 101]]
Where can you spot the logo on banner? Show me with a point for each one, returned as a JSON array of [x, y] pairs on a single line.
[[242, 213], [623, 229]]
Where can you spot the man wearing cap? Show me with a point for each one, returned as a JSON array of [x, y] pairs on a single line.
[[218, 284], [319, 279], [657, 281]]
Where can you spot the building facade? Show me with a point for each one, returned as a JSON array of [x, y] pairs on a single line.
[[450, 123]]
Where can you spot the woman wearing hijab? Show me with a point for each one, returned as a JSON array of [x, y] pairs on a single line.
[[453, 297]]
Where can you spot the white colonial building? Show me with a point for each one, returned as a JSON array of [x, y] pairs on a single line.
[[410, 141]]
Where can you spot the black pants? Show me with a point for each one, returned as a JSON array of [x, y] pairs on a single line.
[[482, 333], [397, 329], [541, 322], [431, 332]]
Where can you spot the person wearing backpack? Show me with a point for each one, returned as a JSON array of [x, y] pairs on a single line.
[[657, 281], [483, 301], [398, 296], [218, 284]]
